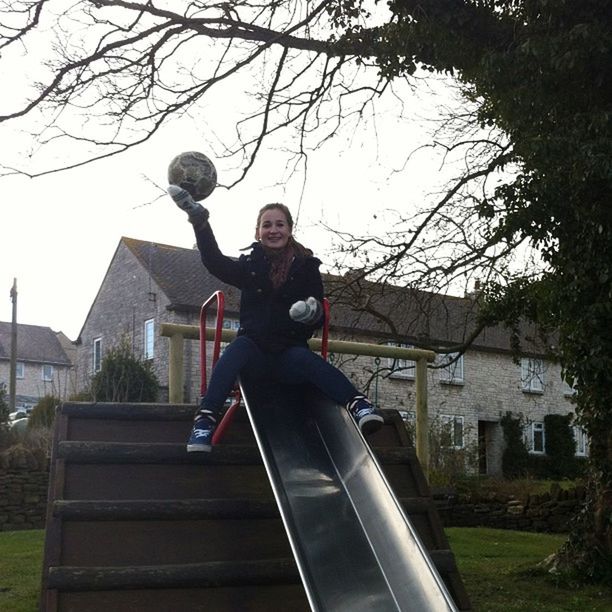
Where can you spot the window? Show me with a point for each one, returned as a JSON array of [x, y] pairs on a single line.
[[47, 372], [532, 375], [401, 368], [452, 372], [97, 355], [231, 324], [20, 369], [149, 339], [582, 441], [568, 390], [452, 431], [536, 442]]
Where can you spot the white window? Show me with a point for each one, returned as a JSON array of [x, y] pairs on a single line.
[[452, 431], [47, 372], [401, 368], [149, 339], [532, 375], [582, 441], [97, 355], [536, 439], [20, 369], [452, 372], [568, 390], [231, 324]]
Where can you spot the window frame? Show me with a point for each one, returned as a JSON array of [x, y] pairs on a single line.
[[47, 377], [448, 371], [454, 419], [148, 349], [403, 369], [19, 370], [532, 369], [582, 441], [541, 429], [96, 357]]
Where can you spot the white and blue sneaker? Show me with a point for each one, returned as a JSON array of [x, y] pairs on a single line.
[[368, 419], [200, 439]]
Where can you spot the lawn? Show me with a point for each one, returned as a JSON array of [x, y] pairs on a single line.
[[497, 568]]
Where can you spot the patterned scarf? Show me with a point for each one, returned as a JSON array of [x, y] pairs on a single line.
[[281, 260]]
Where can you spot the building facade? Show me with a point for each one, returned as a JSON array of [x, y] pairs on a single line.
[[148, 284], [43, 363]]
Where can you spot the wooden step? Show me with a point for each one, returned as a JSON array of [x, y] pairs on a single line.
[[135, 522]]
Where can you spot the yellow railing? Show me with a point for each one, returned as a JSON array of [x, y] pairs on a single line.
[[176, 376]]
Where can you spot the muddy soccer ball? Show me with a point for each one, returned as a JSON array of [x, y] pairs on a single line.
[[194, 172]]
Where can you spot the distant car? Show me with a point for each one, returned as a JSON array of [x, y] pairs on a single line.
[[18, 414], [19, 425]]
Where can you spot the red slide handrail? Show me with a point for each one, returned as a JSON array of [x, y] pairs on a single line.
[[219, 297]]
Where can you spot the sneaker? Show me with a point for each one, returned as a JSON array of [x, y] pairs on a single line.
[[368, 419], [200, 440]]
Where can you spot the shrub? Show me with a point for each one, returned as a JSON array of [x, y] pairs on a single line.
[[4, 407], [515, 459], [448, 465], [123, 377], [560, 446], [43, 414]]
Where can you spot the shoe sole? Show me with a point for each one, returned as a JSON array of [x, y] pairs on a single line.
[[199, 448], [370, 424]]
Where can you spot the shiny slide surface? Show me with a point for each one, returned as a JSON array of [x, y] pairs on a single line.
[[354, 546]]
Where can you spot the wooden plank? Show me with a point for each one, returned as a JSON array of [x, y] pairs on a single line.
[[236, 573], [163, 542], [259, 598], [171, 509]]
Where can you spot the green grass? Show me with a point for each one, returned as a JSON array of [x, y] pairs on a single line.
[[20, 570], [497, 568]]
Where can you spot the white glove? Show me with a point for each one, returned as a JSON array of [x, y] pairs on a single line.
[[307, 312], [182, 198]]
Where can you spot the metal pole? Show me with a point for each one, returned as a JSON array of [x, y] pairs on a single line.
[[13, 372]]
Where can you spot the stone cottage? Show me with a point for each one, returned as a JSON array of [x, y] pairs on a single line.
[[148, 284]]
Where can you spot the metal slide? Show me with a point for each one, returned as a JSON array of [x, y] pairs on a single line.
[[354, 546]]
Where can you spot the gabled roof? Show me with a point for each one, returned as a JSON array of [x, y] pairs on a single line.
[[417, 317], [180, 274], [35, 343]]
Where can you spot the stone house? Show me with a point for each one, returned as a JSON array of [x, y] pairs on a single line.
[[44, 363], [147, 284]]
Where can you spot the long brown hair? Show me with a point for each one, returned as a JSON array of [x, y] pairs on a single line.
[[275, 206]]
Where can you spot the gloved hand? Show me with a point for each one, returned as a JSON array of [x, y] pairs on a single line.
[[307, 312], [198, 215]]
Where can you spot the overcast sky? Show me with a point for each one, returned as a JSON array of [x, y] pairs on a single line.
[[59, 232]]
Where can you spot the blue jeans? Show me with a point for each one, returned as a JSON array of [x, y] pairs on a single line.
[[294, 365]]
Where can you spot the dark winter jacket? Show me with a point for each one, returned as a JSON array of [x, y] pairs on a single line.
[[264, 311]]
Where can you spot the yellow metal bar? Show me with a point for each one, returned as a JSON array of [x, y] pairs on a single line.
[[334, 346]]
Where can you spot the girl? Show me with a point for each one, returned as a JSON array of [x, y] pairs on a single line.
[[280, 308]]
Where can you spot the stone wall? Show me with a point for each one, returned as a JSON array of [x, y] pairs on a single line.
[[24, 480], [549, 512]]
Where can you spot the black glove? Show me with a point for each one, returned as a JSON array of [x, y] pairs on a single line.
[[198, 215], [307, 312]]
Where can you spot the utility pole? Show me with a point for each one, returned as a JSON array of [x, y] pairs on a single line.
[[13, 374]]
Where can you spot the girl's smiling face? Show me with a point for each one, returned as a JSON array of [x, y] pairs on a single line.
[[273, 230]]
